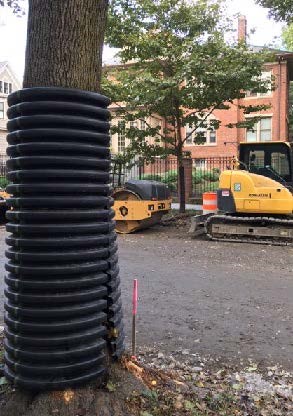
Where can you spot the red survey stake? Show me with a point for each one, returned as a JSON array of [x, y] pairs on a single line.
[[134, 312]]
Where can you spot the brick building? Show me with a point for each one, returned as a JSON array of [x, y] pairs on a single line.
[[273, 124], [8, 83]]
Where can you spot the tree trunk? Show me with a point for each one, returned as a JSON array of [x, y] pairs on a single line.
[[181, 183], [64, 49], [65, 43], [181, 173]]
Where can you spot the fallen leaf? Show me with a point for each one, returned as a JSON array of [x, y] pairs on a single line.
[[252, 368], [237, 386], [200, 406], [3, 381], [110, 386], [188, 405]]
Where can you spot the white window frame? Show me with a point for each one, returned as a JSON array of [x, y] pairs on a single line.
[[133, 124], [121, 138], [258, 130], [190, 140], [6, 88], [2, 110], [142, 125], [265, 75]]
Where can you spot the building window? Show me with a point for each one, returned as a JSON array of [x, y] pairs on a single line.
[[1, 86], [261, 131], [200, 163], [212, 137], [6, 87], [209, 136], [1, 110], [121, 136], [142, 125], [266, 76], [133, 124], [138, 124]]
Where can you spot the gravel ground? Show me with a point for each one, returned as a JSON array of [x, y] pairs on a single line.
[[231, 302]]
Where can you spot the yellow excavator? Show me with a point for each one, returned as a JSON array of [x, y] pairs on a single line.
[[255, 200], [3, 205], [140, 204]]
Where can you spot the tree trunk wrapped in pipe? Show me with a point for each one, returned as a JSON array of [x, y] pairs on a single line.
[[62, 298]]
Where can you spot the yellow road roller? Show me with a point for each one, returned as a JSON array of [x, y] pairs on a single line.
[[140, 204]]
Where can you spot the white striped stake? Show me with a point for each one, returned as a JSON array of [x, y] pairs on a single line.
[[134, 312]]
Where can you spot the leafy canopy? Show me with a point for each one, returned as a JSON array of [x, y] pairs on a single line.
[[177, 65], [287, 35], [15, 6], [279, 9]]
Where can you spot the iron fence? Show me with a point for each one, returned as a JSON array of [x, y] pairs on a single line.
[[3, 180], [3, 159], [206, 173], [201, 174]]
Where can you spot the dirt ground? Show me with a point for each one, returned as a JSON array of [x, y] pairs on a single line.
[[230, 302]]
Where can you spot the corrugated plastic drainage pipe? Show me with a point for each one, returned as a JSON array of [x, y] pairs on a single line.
[[62, 298]]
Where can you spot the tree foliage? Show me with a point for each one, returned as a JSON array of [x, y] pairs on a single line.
[[287, 35], [16, 6], [181, 69], [279, 9], [291, 110]]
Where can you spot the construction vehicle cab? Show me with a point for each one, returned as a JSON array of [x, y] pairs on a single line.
[[271, 159]]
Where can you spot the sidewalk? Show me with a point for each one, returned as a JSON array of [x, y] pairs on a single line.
[[187, 206]]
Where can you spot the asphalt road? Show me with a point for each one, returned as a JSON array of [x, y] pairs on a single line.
[[232, 302]]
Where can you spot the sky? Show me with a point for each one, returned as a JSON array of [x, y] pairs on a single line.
[[13, 32]]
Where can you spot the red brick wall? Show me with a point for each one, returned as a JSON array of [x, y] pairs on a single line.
[[227, 139], [278, 100]]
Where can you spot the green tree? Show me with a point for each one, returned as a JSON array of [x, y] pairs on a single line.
[[182, 70], [16, 5], [64, 44], [291, 110], [279, 9], [287, 36]]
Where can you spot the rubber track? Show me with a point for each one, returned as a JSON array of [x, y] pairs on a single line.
[[224, 219]]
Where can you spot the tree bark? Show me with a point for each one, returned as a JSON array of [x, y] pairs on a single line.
[[65, 43], [64, 49], [181, 184], [181, 173]]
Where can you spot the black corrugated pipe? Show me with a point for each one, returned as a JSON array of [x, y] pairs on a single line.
[[62, 297]]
